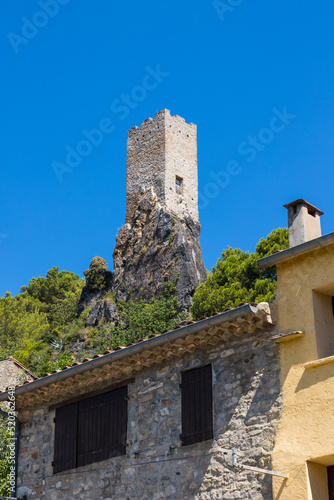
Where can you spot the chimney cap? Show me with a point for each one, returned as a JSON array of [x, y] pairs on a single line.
[[310, 208]]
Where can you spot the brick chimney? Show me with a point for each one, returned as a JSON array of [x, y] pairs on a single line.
[[303, 222]]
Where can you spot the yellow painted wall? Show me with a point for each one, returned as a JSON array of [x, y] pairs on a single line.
[[306, 430]]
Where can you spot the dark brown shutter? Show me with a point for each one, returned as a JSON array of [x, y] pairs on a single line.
[[65, 438], [196, 405], [102, 424], [330, 472]]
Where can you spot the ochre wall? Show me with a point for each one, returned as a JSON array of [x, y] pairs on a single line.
[[306, 430]]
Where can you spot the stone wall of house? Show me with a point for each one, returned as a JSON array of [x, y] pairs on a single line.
[[11, 374], [246, 403], [158, 151]]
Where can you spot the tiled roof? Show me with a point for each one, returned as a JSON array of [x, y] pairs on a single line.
[[10, 358], [144, 352]]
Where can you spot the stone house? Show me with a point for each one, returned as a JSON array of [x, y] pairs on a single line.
[[13, 373], [158, 419]]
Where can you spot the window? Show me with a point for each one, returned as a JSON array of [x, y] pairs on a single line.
[[321, 479], [90, 430], [323, 305], [196, 405], [330, 476], [179, 185]]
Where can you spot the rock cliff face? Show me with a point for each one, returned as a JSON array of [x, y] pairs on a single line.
[[154, 249]]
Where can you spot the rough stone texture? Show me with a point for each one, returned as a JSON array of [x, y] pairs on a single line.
[[12, 374], [246, 404], [159, 151], [89, 297], [104, 311], [156, 248]]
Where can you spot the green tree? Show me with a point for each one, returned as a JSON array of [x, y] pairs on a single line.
[[4, 457], [43, 311], [139, 320], [98, 276], [58, 295], [20, 322], [237, 278]]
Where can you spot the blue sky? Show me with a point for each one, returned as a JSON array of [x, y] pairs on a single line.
[[256, 77]]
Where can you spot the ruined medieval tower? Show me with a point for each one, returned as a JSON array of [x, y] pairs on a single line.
[[162, 155], [159, 242]]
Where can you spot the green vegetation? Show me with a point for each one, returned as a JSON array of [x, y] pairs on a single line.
[[40, 324], [138, 321], [236, 277], [4, 456], [98, 277], [44, 312]]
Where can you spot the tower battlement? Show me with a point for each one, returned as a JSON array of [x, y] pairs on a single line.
[[162, 155]]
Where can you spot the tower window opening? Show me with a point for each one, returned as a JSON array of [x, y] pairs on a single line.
[[178, 185]]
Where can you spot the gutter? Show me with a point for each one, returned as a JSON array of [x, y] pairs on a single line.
[[16, 450], [182, 332], [289, 253]]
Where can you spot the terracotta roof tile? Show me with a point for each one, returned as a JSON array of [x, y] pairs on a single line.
[[109, 351]]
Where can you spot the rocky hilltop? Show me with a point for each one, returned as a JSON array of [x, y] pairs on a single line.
[[160, 241], [154, 249]]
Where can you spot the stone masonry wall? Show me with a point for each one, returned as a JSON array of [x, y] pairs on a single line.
[[181, 161], [11, 374], [158, 151], [246, 405]]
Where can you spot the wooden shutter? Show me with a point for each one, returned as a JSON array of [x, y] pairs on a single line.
[[196, 405], [330, 472], [102, 424], [65, 438]]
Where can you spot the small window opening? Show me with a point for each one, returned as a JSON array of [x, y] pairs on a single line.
[[178, 185], [323, 306]]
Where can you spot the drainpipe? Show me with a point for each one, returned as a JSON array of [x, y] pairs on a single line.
[[16, 444]]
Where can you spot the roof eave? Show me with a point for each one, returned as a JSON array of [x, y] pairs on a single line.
[[289, 253], [182, 332]]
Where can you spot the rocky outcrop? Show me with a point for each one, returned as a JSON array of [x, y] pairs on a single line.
[[98, 283], [157, 248], [104, 311]]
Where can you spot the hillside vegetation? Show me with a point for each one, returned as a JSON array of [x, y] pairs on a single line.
[[42, 328], [45, 325]]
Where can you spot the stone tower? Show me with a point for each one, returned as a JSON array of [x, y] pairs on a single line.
[[159, 242], [162, 155]]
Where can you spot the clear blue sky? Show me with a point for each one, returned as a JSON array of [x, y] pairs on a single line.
[[231, 70]]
